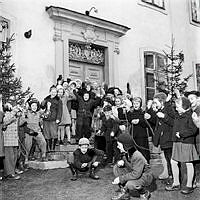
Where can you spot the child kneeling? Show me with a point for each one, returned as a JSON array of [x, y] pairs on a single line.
[[132, 172], [85, 159]]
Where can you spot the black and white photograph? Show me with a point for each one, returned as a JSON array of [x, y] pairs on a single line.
[[99, 99]]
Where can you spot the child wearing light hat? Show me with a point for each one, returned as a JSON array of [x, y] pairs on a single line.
[[85, 159]]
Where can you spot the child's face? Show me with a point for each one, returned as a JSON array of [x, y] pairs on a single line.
[[83, 149], [60, 92], [88, 87], [108, 113], [65, 85], [117, 102], [53, 92], [136, 105], [120, 147], [179, 107], [34, 107], [157, 104], [86, 97], [193, 99]]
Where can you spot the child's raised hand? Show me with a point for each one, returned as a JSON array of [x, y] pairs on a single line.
[[112, 134], [135, 121], [84, 165], [177, 134], [160, 114], [194, 116], [95, 164], [147, 116], [116, 181], [120, 163]]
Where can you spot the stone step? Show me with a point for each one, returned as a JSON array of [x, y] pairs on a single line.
[[48, 164]]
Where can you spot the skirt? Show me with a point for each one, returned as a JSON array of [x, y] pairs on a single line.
[[182, 152]]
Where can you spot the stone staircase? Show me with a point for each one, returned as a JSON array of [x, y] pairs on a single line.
[[64, 154]]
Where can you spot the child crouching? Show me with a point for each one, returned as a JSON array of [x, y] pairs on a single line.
[[85, 159], [132, 172]]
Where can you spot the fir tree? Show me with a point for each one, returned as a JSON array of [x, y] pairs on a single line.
[[10, 86], [172, 71]]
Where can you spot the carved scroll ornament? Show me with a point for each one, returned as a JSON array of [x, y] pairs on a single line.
[[86, 53]]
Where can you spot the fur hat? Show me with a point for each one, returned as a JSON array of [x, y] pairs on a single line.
[[197, 93], [126, 140], [83, 141]]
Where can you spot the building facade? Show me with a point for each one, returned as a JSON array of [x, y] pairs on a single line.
[[123, 42]]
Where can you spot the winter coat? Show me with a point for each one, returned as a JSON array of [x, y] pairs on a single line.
[[55, 109], [138, 130], [84, 109], [33, 120], [186, 128], [108, 126], [1, 134], [89, 157], [66, 119], [137, 166], [11, 133], [164, 128]]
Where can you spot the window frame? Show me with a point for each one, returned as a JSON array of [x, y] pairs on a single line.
[[8, 27], [193, 22], [154, 4], [154, 7], [155, 70]]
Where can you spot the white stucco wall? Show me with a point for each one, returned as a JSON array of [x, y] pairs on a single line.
[[150, 29]]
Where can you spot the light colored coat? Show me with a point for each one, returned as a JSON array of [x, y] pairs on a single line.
[[11, 133]]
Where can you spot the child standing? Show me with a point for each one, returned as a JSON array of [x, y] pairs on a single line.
[[65, 123], [34, 121], [52, 117], [183, 151], [10, 135], [110, 130], [139, 128]]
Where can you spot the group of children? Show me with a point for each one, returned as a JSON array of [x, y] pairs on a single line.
[[119, 127]]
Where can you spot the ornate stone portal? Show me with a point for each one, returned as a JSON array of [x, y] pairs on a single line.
[[85, 39]]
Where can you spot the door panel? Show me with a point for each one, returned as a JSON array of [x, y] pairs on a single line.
[[94, 73], [78, 70]]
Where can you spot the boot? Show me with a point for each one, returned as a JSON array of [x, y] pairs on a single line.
[[92, 174], [50, 144], [54, 143], [74, 172], [145, 196], [123, 195]]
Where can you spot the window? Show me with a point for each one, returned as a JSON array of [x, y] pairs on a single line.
[[156, 3], [153, 65], [4, 31], [195, 9], [197, 68]]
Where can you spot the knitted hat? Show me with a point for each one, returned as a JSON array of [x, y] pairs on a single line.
[[83, 141], [126, 140]]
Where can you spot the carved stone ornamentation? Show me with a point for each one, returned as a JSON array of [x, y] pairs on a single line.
[[86, 53], [117, 50], [89, 35]]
